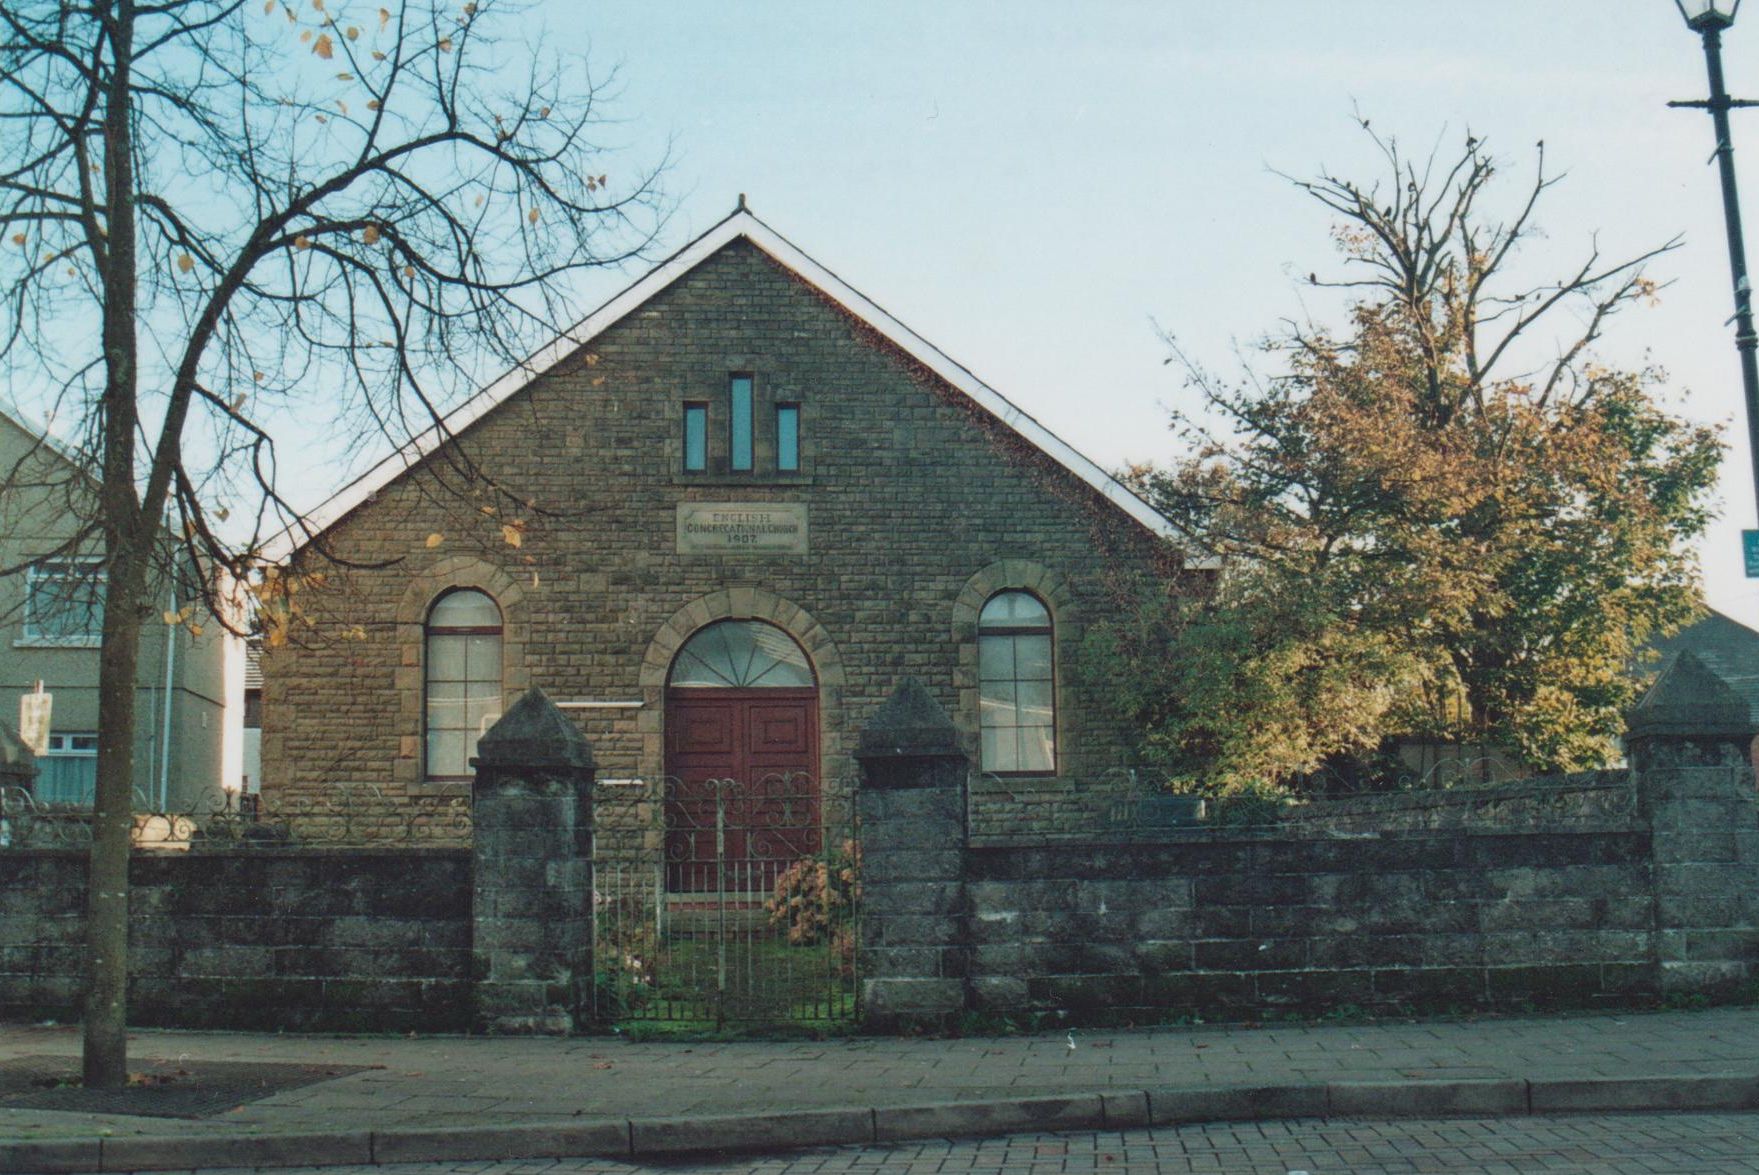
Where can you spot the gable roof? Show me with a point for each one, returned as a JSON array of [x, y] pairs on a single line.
[[45, 441], [741, 225], [1727, 646]]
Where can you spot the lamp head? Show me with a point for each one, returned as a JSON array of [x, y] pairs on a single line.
[[1705, 15]]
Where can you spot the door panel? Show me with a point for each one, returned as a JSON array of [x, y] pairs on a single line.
[[704, 728], [782, 812], [781, 733], [765, 742]]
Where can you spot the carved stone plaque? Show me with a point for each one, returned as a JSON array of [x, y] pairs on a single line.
[[742, 528]]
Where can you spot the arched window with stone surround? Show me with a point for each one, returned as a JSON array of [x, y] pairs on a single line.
[[1016, 672], [463, 680]]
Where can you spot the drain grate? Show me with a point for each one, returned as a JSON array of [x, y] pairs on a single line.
[[157, 1089]]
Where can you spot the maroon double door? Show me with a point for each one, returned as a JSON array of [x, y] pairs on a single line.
[[742, 804]]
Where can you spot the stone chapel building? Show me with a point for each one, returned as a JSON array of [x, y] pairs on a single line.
[[718, 524]]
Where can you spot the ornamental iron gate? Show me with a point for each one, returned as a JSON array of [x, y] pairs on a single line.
[[719, 902]]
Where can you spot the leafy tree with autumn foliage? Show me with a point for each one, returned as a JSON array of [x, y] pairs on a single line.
[[1446, 521], [217, 215]]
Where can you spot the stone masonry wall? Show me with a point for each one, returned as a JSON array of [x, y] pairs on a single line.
[[918, 503], [266, 939], [1582, 801], [1576, 891], [1221, 925], [1699, 797]]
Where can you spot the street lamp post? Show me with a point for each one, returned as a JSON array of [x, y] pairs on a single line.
[[1708, 18]]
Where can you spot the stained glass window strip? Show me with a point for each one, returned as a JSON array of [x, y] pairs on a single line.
[[739, 418], [695, 437], [788, 437]]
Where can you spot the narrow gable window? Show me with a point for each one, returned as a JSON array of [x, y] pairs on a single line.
[[739, 422], [788, 438], [1016, 686], [463, 679], [695, 438]]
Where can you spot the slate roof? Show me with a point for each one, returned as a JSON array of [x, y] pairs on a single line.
[[1729, 648]]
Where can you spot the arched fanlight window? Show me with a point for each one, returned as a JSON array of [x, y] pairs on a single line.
[[741, 654], [1017, 715], [463, 679]]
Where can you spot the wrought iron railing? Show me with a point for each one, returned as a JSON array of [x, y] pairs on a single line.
[[720, 902]]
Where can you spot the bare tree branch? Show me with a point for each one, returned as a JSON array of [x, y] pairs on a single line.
[[216, 213]]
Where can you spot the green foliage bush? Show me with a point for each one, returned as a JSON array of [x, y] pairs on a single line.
[[815, 900]]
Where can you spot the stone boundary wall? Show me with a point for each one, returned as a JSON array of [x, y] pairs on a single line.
[[344, 940], [1588, 799], [1107, 809], [1607, 888], [1231, 926], [1580, 892]]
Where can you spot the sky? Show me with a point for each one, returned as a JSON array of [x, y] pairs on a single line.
[[1037, 187], [1040, 188]]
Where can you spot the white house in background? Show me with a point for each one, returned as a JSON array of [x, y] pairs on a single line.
[[248, 778], [51, 618]]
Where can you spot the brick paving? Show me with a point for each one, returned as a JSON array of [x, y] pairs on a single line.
[[1640, 1144]]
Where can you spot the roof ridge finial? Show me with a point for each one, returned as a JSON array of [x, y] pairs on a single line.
[[741, 207]]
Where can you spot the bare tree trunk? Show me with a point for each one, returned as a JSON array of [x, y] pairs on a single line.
[[128, 538], [106, 1007]]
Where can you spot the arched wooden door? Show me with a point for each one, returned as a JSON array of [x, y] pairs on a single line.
[[741, 759]]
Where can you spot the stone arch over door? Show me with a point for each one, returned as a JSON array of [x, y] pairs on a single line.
[[744, 798], [744, 604], [419, 594]]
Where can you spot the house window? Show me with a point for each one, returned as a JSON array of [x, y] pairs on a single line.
[[463, 679], [1016, 686], [68, 771], [739, 422], [64, 602], [695, 438], [788, 438]]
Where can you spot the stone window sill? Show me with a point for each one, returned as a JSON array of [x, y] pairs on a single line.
[[721, 480], [440, 788]]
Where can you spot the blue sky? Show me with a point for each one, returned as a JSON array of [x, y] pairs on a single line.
[[1033, 186]]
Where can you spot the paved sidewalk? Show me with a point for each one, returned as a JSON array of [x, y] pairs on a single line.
[[766, 1093]]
